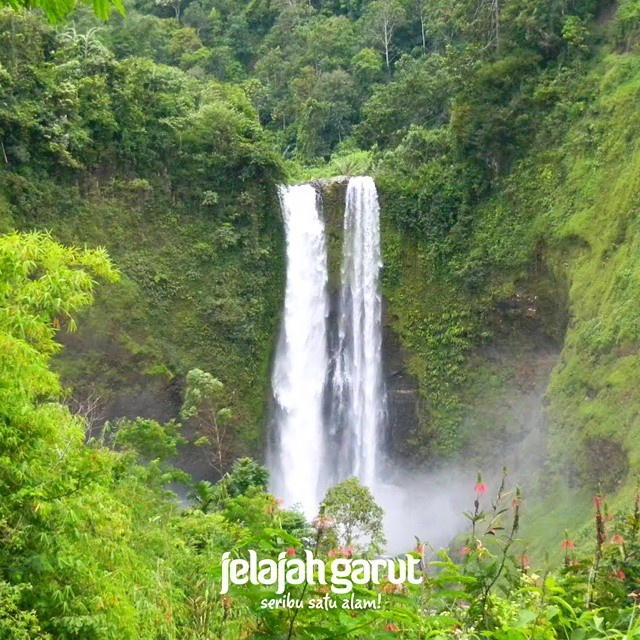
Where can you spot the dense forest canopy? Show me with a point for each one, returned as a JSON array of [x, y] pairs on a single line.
[[503, 138]]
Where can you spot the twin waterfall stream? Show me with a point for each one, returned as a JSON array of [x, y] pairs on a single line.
[[328, 392]]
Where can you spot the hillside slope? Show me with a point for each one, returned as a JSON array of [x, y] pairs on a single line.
[[525, 337], [175, 179]]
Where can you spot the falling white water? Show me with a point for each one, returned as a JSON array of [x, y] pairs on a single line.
[[328, 393], [358, 391], [301, 364]]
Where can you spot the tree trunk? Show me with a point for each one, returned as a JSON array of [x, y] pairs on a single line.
[[387, 45], [495, 19]]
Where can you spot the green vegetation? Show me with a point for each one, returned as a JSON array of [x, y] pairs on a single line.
[[504, 141], [55, 10], [176, 179], [558, 230], [500, 253], [360, 519], [94, 546]]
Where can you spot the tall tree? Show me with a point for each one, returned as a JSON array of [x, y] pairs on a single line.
[[382, 19]]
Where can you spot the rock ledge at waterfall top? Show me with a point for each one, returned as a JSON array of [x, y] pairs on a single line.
[[321, 184]]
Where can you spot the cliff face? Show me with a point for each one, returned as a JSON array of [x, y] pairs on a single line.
[[195, 292], [475, 391], [476, 365], [523, 332]]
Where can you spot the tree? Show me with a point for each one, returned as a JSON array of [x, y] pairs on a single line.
[[203, 495], [420, 94], [327, 114], [491, 20], [358, 519], [367, 68], [45, 464], [41, 284], [245, 474], [175, 5], [203, 406], [246, 477], [86, 42], [382, 18]]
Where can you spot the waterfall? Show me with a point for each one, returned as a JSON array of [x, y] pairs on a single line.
[[300, 368], [329, 398], [358, 393]]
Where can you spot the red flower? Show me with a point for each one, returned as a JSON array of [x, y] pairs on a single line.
[[480, 487], [333, 553], [346, 551], [523, 560], [290, 551], [617, 539], [567, 544], [465, 550], [618, 574], [419, 549], [597, 501], [391, 627]]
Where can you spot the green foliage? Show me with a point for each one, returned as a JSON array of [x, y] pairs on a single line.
[[203, 392], [153, 441], [357, 519], [128, 153], [245, 475], [93, 544], [504, 143], [465, 167], [202, 406], [57, 10], [554, 238], [419, 95], [492, 575], [625, 31], [185, 106], [96, 548], [15, 622], [423, 190]]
